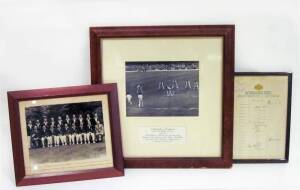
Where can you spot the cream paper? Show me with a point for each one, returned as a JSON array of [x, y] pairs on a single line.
[[203, 133], [260, 114]]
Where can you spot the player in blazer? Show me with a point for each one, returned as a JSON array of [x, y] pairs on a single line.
[[35, 135], [99, 128], [29, 132], [90, 129], [64, 134], [72, 134], [44, 134], [74, 120], [68, 120], [59, 128], [79, 131], [52, 122], [96, 117], [56, 134], [51, 135], [82, 128], [50, 132], [99, 131], [38, 124]]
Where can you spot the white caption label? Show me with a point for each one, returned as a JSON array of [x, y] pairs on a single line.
[[162, 135]]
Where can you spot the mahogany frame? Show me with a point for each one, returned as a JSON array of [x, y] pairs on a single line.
[[14, 97], [224, 31], [288, 119]]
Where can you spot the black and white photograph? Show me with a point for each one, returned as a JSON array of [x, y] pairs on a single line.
[[162, 88], [65, 132]]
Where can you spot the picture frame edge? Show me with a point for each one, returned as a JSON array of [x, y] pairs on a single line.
[[226, 31], [14, 97], [288, 124]]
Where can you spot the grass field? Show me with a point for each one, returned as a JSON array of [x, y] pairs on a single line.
[[156, 103], [66, 153]]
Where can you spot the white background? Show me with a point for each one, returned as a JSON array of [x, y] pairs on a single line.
[[45, 43]]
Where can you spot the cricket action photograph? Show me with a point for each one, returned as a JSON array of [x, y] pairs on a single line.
[[162, 88]]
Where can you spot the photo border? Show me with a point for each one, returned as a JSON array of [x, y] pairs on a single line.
[[168, 71], [14, 97]]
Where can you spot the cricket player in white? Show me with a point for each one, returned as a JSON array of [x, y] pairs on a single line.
[[170, 88], [161, 85], [169, 91], [196, 85], [187, 84], [140, 95], [129, 98], [175, 84]]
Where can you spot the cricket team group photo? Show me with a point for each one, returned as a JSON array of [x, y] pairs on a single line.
[[67, 131]]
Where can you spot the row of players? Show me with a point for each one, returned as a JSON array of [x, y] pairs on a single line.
[[169, 87], [67, 132], [173, 84]]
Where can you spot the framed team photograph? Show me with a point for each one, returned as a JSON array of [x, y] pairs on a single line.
[[65, 134], [262, 117], [175, 87]]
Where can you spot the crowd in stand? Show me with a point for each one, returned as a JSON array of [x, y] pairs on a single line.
[[161, 66]]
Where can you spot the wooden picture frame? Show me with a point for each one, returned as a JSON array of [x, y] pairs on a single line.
[[57, 96], [226, 35], [288, 76]]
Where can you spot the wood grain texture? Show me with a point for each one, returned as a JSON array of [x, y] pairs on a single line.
[[224, 31], [13, 102], [288, 121]]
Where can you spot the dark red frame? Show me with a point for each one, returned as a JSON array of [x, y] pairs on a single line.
[[288, 115], [224, 31], [15, 97]]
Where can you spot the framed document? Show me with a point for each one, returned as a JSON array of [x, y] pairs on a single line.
[[175, 91], [262, 114], [65, 134]]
